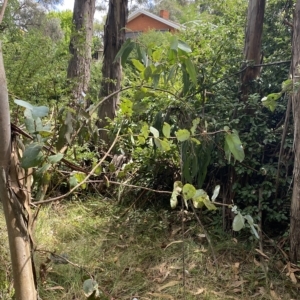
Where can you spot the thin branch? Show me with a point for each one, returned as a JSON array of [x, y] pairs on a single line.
[[130, 185], [86, 178]]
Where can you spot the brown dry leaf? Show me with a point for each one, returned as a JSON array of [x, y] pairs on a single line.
[[237, 290], [175, 242], [274, 295], [235, 240], [198, 292], [169, 284], [235, 268], [238, 283], [262, 254], [161, 296]]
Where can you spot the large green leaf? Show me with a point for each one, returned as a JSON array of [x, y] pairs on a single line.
[[32, 155], [23, 104], [234, 145], [154, 131], [53, 159], [184, 46], [124, 52], [138, 65], [238, 222], [182, 135], [89, 287], [190, 68], [188, 192], [174, 43], [166, 130]]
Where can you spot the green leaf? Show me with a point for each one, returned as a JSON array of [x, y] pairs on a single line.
[[138, 65], [234, 145], [182, 135], [188, 192], [174, 43], [165, 145], [23, 104], [177, 188], [157, 54], [32, 156], [126, 107], [287, 85], [197, 142], [166, 130], [53, 159], [252, 225], [73, 181], [190, 68], [198, 198], [184, 46], [209, 205], [145, 130], [154, 131], [238, 222], [270, 101], [39, 111], [89, 286], [80, 177], [147, 73], [123, 52]]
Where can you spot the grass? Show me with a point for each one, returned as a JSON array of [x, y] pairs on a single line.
[[139, 254]]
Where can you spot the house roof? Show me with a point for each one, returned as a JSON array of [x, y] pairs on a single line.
[[155, 17]]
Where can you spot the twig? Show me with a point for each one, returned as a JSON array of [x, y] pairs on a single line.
[[85, 179], [130, 185]]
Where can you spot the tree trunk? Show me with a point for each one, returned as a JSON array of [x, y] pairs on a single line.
[[80, 47], [15, 197], [114, 37], [252, 48], [295, 205]]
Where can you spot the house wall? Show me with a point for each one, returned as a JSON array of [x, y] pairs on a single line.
[[145, 23]]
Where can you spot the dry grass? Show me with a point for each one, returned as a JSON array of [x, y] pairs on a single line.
[[140, 255]]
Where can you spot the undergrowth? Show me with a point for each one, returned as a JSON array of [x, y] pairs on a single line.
[[144, 254]]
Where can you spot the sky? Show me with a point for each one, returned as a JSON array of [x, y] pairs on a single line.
[[69, 4]]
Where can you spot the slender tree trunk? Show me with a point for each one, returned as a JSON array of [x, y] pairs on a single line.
[[15, 199], [80, 47], [253, 41], [295, 205], [114, 37]]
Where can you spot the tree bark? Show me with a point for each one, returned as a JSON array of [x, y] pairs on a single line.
[[253, 41], [15, 197], [295, 204], [114, 37], [80, 47]]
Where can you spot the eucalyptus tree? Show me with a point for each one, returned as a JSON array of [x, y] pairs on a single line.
[[295, 204], [80, 47], [114, 37]]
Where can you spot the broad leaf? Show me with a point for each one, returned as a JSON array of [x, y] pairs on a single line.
[[198, 198], [190, 68], [89, 286], [174, 43], [209, 205], [234, 145], [55, 158], [39, 111], [32, 156], [166, 130], [182, 135], [238, 222], [124, 52], [154, 131], [138, 65], [184, 46], [23, 104], [188, 192], [252, 225]]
